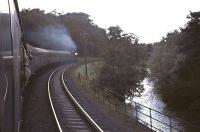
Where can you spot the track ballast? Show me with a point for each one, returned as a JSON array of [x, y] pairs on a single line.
[[68, 113]]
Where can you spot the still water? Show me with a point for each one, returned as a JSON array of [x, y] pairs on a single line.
[[155, 107]]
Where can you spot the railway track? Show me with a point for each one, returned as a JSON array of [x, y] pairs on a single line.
[[68, 113]]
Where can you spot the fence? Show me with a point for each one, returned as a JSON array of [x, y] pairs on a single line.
[[155, 120]]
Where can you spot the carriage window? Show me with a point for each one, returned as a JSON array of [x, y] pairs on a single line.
[[6, 67], [5, 38]]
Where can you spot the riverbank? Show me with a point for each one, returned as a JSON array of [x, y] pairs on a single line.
[[188, 118], [149, 109]]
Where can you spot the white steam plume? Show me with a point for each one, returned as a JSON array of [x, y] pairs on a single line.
[[51, 37]]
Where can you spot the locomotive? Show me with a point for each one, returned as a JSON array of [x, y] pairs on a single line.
[[18, 61]]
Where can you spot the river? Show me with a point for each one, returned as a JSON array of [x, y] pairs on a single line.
[[151, 99]]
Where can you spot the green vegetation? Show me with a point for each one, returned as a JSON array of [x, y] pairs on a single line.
[[95, 39], [124, 67], [175, 62], [93, 69], [124, 58]]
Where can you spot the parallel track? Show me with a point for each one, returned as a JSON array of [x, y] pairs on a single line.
[[68, 113]]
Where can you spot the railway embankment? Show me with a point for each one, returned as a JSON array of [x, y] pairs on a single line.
[[106, 109]]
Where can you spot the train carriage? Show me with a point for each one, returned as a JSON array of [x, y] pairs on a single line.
[[10, 67], [16, 65]]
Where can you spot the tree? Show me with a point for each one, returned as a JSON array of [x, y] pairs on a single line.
[[78, 23], [188, 73], [123, 70], [114, 32], [175, 62], [164, 57], [35, 20]]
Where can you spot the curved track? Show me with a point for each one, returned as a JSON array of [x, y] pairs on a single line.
[[68, 113]]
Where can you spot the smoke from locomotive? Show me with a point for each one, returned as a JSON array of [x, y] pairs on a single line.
[[51, 37]]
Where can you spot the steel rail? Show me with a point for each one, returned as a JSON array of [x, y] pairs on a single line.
[[50, 100], [79, 107]]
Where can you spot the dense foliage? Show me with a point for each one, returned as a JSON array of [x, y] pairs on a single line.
[[175, 62], [79, 26], [124, 67]]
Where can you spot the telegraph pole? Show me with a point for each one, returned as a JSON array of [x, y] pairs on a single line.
[[83, 37]]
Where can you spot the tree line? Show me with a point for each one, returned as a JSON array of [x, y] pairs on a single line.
[[124, 57], [75, 23], [125, 63], [175, 63]]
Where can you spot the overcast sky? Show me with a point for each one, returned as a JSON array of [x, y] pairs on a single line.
[[148, 19]]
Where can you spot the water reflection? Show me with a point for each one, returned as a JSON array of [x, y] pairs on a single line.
[[149, 98], [152, 100]]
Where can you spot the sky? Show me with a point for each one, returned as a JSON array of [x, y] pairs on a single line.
[[150, 20]]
